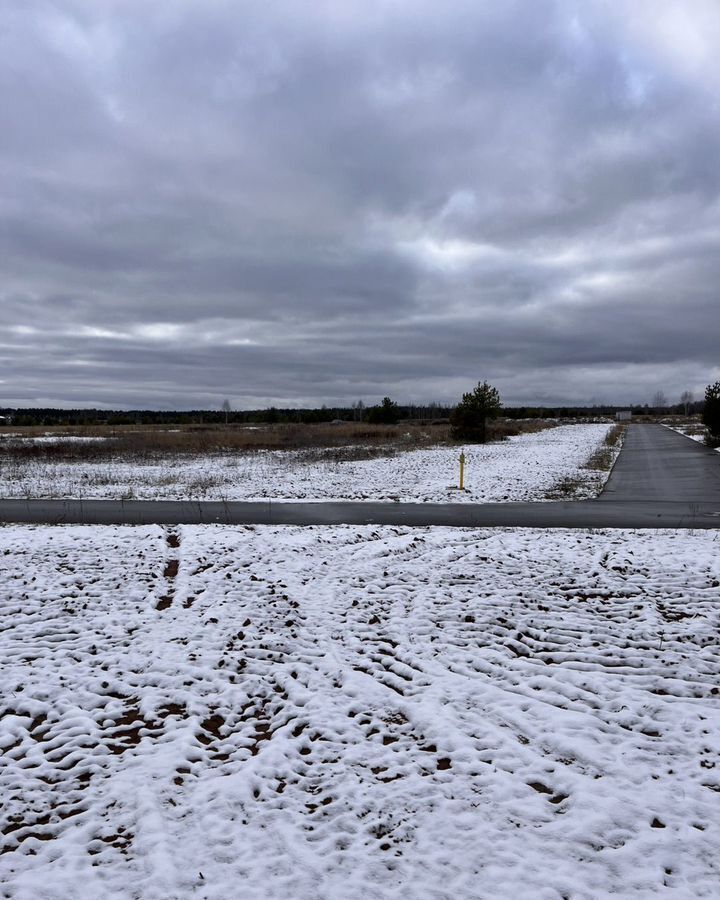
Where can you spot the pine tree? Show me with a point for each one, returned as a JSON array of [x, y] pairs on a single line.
[[711, 411], [468, 421], [386, 414]]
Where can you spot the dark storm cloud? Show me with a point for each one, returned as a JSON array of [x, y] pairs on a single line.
[[307, 203]]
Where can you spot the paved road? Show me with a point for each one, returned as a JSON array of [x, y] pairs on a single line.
[[659, 464], [583, 514], [661, 480]]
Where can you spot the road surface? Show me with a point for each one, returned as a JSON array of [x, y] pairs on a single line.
[[581, 514], [659, 464], [661, 480]]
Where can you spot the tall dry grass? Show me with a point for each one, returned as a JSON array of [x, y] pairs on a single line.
[[155, 443], [349, 440]]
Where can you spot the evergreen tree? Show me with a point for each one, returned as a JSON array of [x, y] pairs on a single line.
[[468, 421], [386, 414], [711, 411]]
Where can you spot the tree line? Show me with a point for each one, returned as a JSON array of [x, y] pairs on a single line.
[[463, 417], [383, 412]]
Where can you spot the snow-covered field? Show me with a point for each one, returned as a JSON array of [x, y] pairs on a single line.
[[526, 467], [341, 713]]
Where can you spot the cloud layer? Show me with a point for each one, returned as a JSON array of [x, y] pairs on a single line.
[[296, 203]]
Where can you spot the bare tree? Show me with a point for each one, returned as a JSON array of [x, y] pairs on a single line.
[[226, 408], [659, 401], [687, 398], [358, 409]]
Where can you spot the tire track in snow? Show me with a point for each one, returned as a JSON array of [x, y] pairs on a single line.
[[324, 712]]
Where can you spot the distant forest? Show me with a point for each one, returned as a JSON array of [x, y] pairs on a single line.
[[273, 415]]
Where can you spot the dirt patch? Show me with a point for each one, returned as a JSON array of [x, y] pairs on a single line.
[[213, 724]]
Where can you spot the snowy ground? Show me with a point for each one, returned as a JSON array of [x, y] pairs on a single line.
[[691, 431], [342, 713], [526, 467], [694, 432]]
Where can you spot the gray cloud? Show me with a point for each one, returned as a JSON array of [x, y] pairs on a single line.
[[295, 205]]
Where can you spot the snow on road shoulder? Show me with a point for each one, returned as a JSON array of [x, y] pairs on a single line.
[[349, 712], [692, 432], [523, 468]]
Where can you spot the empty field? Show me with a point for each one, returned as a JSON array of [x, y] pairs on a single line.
[[557, 462], [358, 712]]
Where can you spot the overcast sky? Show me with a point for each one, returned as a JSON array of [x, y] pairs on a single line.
[[296, 203]]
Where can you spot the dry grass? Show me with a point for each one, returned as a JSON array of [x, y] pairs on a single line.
[[600, 461], [319, 442], [501, 429], [695, 428], [156, 443]]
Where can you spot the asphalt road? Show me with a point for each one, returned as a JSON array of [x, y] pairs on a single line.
[[659, 464], [583, 514], [661, 480]]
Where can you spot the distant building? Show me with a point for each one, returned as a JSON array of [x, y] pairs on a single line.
[[623, 415]]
